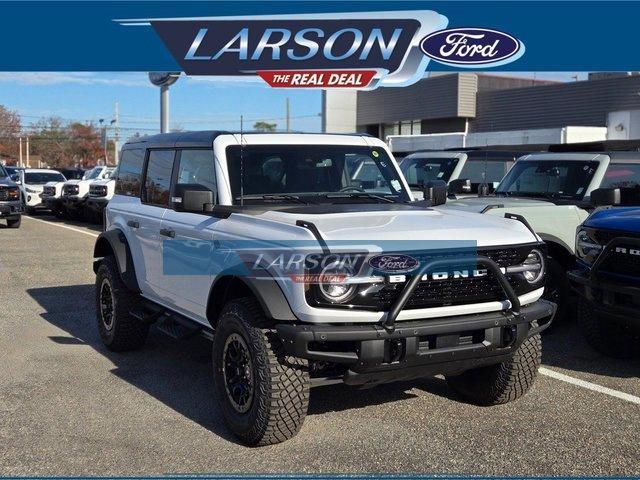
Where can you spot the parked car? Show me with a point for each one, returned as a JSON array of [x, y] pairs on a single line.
[[32, 183], [607, 277], [73, 173], [552, 191], [76, 192], [303, 277], [467, 172], [100, 193], [10, 201]]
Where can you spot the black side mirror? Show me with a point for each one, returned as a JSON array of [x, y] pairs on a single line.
[[435, 191], [460, 185], [195, 201], [606, 196]]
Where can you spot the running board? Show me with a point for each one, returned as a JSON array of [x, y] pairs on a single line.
[[176, 329], [168, 322]]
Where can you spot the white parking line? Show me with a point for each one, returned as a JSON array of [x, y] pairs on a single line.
[[589, 386], [61, 226]]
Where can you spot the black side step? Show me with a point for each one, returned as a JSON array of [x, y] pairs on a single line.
[[170, 323], [176, 329]]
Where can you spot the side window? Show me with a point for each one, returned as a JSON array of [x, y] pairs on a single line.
[[129, 175], [196, 170], [157, 181]]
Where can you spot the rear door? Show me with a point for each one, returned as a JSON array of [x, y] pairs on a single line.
[[188, 253]]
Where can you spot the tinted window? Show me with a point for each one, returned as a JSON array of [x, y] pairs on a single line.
[[621, 175], [420, 170], [197, 168], [158, 179], [480, 171], [129, 173], [311, 170], [40, 178]]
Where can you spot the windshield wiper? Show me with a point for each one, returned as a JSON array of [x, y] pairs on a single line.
[[367, 195], [276, 196]]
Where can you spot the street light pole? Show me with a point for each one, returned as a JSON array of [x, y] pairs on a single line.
[[164, 109]]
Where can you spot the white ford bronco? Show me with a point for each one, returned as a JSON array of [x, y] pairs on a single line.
[[305, 272], [76, 192]]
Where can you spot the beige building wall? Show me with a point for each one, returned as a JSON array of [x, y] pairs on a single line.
[[339, 110]]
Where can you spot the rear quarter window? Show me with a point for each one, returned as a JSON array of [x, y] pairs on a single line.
[[129, 173]]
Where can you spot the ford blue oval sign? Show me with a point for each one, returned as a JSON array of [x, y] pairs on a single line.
[[393, 263], [472, 47]]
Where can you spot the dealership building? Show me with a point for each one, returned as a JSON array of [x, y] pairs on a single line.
[[473, 110]]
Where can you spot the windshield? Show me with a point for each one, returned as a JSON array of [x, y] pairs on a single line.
[[549, 178], [621, 175], [92, 174], [484, 171], [318, 171], [421, 170], [40, 178]]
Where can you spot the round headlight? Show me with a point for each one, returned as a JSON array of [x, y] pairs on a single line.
[[586, 247], [333, 284], [534, 267]]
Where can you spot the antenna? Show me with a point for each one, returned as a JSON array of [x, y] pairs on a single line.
[[241, 161]]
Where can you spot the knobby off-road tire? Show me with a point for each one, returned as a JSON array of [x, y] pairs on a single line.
[[14, 223], [606, 337], [119, 331], [276, 406], [504, 382]]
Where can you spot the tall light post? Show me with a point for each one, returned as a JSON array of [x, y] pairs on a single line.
[[164, 80]]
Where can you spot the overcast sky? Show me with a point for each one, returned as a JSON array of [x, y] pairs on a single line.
[[196, 103]]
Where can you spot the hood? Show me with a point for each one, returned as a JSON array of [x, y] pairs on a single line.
[[407, 224], [619, 218], [76, 182], [7, 182], [103, 182], [54, 184], [478, 204], [37, 188]]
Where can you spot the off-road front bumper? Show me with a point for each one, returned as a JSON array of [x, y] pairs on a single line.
[[73, 202], [447, 345], [10, 210], [97, 204]]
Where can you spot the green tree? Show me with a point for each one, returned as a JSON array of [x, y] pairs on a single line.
[[265, 127]]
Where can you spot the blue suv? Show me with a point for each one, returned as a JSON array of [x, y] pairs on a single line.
[[608, 275]]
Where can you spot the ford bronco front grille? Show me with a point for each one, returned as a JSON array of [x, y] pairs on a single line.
[[49, 191], [71, 189]]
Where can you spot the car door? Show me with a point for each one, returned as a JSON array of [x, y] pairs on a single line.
[[188, 252], [154, 200]]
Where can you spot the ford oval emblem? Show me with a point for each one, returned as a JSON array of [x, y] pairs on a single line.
[[472, 47], [393, 263]]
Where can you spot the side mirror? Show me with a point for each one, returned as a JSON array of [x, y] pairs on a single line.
[[195, 201], [606, 196], [435, 191], [15, 178], [460, 185]]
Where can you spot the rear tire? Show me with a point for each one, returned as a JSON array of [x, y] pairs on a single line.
[[557, 289], [14, 223], [607, 338], [263, 393], [119, 330], [504, 382]]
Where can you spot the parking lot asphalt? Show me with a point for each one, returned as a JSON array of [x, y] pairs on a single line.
[[68, 406]]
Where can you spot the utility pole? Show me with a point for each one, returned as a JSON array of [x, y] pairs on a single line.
[[164, 109], [28, 161], [20, 164], [116, 141], [288, 115]]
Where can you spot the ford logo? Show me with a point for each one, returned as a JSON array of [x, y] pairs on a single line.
[[393, 263], [472, 47]]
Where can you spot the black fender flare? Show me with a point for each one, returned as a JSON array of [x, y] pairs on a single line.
[[113, 242], [264, 288]]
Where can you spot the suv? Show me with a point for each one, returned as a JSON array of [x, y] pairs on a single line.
[[100, 192], [466, 171], [32, 183], [607, 279], [10, 201], [302, 276], [552, 191], [76, 192]]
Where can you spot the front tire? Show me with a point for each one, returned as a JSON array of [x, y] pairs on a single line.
[[14, 223], [263, 393], [606, 337], [120, 331], [504, 382]]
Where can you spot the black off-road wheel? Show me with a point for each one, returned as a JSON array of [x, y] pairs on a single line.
[[14, 223], [119, 330], [557, 290], [504, 382], [607, 338], [263, 393]]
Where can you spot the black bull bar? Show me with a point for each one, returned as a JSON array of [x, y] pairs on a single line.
[[389, 322]]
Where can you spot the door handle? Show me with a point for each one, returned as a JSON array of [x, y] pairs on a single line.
[[167, 233], [133, 224]]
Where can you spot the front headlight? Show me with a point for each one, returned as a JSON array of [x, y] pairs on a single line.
[[533, 270], [333, 286], [587, 247], [13, 194]]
